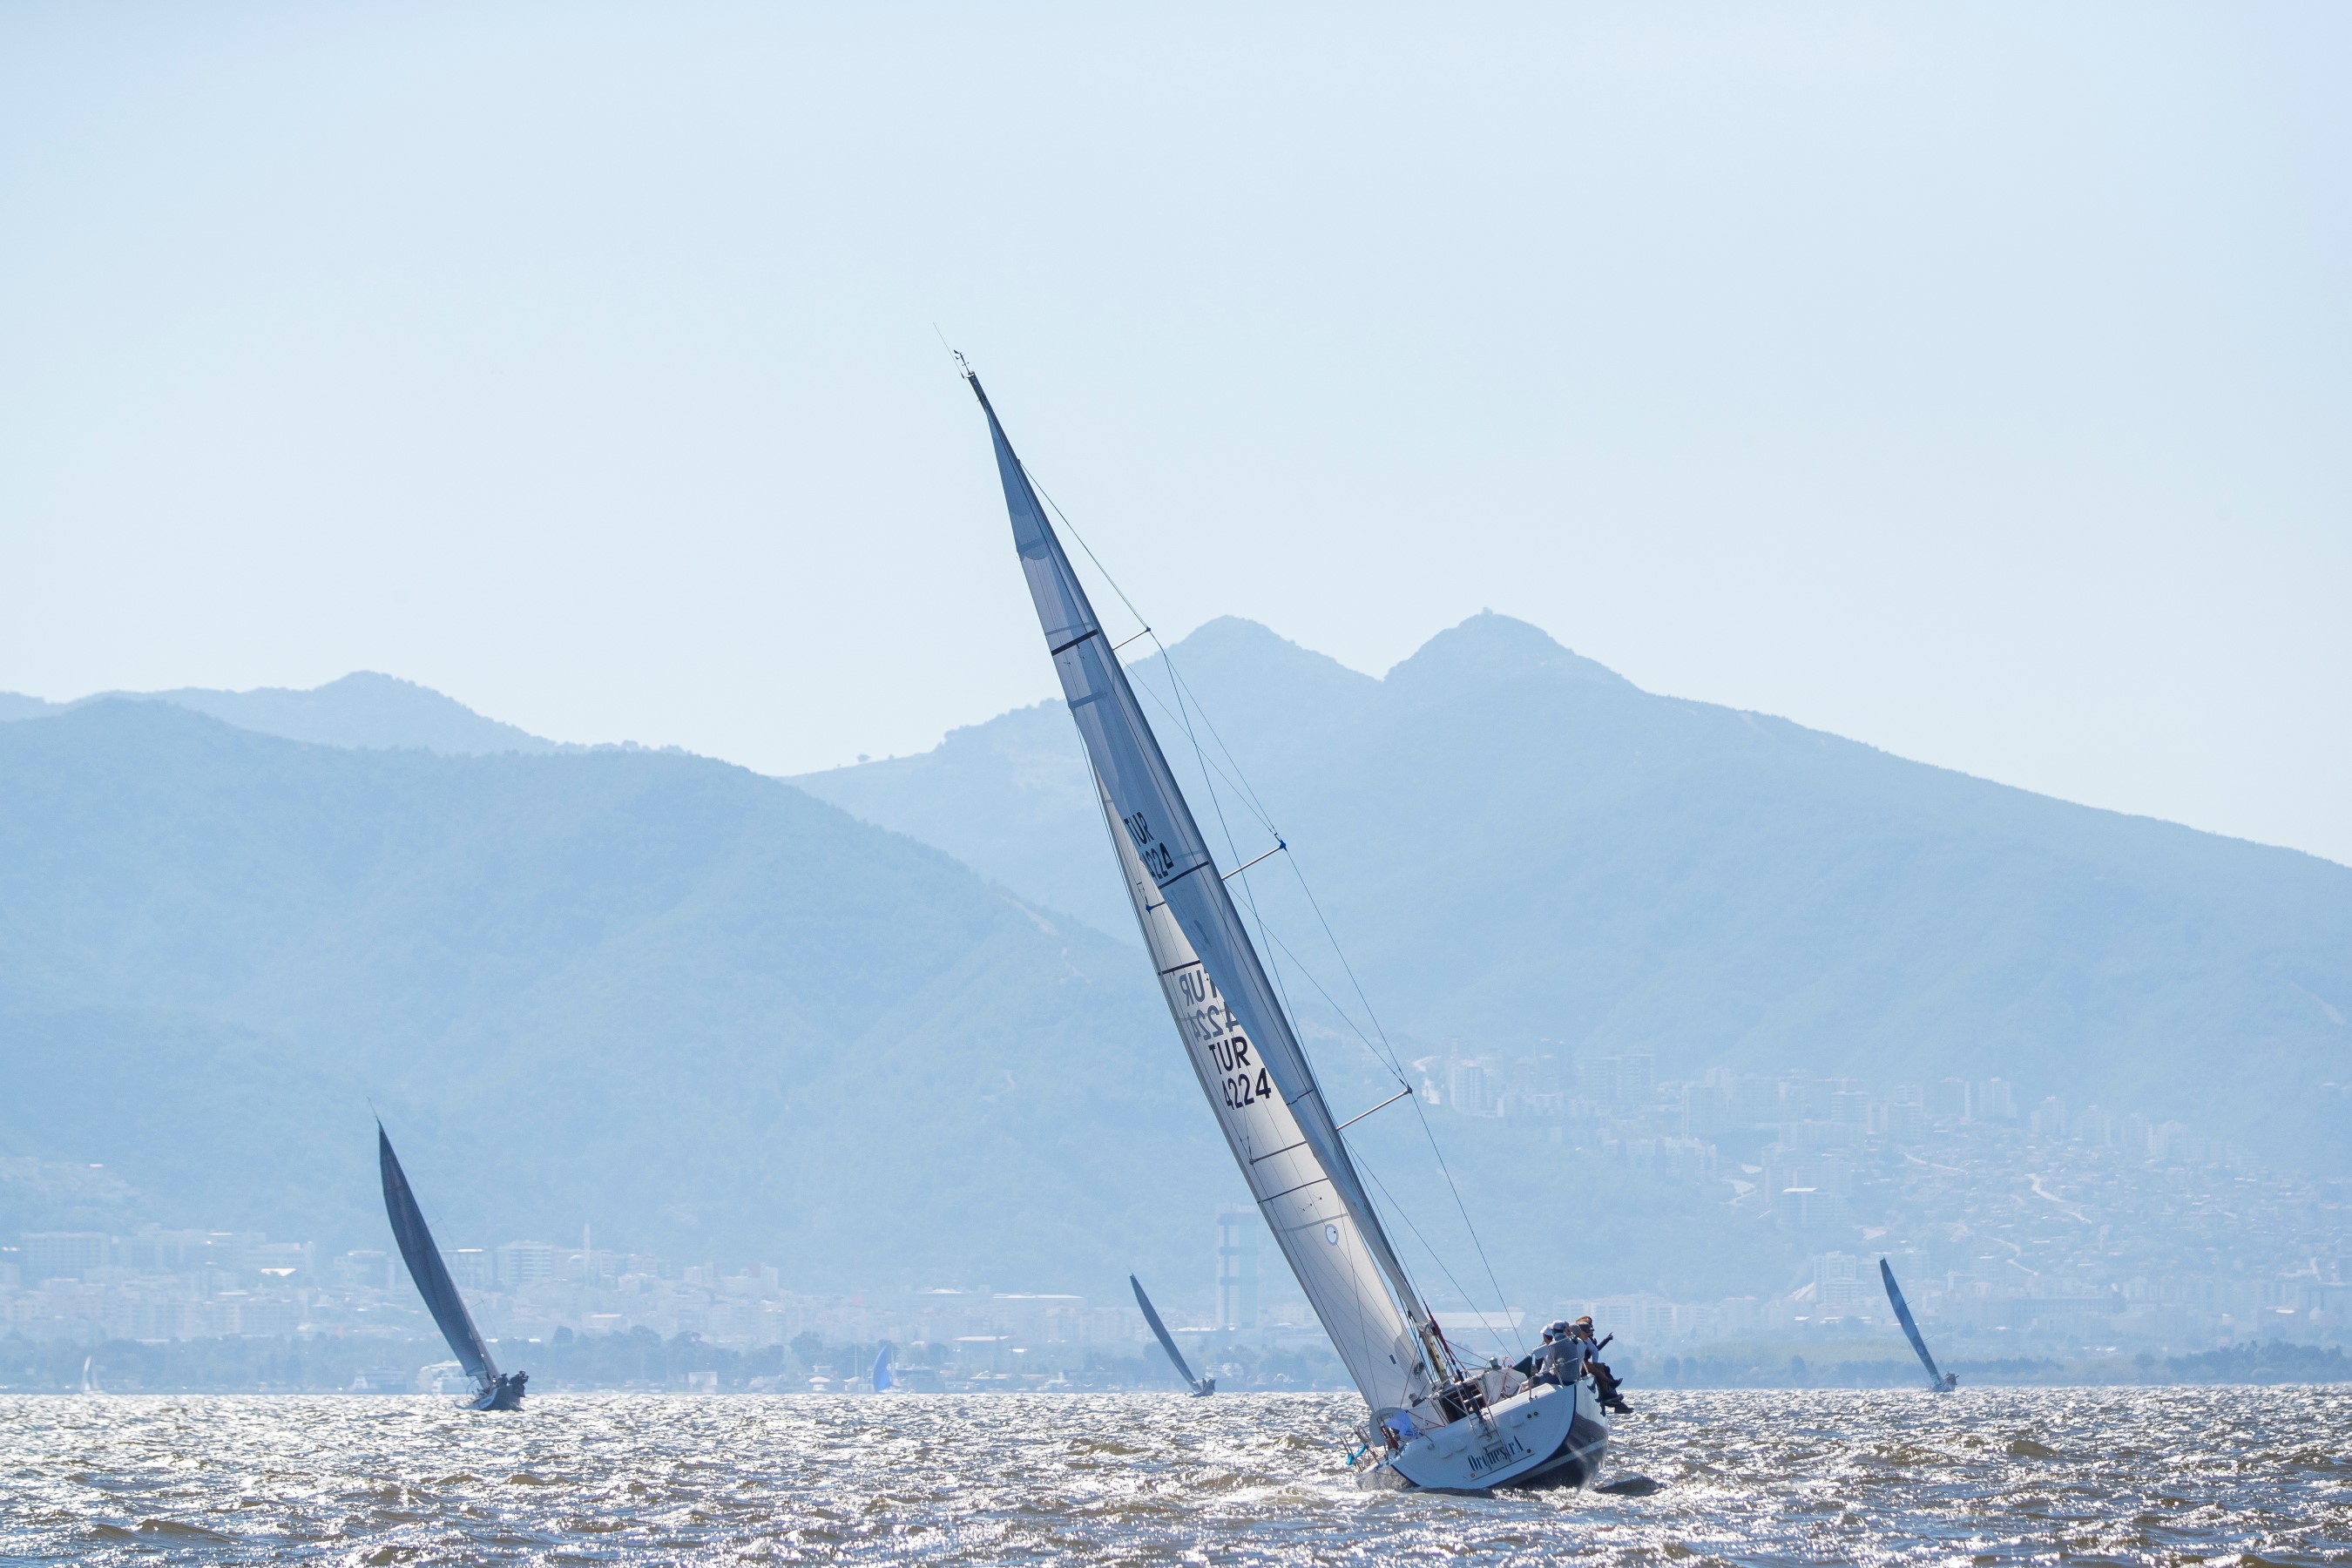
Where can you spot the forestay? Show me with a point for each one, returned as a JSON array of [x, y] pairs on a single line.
[[1239, 1041], [431, 1274]]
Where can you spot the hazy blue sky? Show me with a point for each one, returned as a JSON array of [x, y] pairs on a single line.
[[1972, 381]]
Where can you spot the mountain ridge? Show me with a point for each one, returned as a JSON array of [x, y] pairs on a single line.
[[658, 992], [364, 710], [1525, 846]]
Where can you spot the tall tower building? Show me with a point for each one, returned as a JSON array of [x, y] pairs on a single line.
[[1237, 1234]]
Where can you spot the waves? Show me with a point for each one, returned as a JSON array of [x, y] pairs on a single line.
[[1748, 1476]]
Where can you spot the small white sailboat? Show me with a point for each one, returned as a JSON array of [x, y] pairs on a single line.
[[1434, 1423]]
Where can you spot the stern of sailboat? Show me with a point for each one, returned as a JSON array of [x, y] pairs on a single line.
[[1541, 1438]]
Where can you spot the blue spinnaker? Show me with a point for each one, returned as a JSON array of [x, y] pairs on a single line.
[[1910, 1326], [1166, 1340], [431, 1274]]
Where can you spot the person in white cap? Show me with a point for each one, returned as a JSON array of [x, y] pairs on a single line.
[[1559, 1359]]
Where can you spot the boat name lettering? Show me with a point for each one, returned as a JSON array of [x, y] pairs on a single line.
[[1498, 1454]]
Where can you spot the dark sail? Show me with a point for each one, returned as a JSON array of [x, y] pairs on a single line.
[[1910, 1327], [1167, 1342], [432, 1275]]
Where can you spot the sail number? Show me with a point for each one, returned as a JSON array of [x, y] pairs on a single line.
[[1214, 1030], [1154, 855]]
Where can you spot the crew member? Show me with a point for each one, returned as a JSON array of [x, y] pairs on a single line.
[[1604, 1382], [1559, 1360]]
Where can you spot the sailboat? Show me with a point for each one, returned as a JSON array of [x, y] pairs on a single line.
[[1200, 1386], [1434, 1423], [881, 1379], [491, 1391], [1937, 1381]]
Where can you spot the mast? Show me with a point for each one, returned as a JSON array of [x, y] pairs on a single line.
[[1238, 1038], [430, 1273]]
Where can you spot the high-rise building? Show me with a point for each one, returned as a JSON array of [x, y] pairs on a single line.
[[1839, 1285], [525, 1263], [1473, 1086], [1237, 1234], [1997, 1100], [1538, 1085], [1755, 1100], [63, 1254], [1949, 1098], [2050, 1118], [1804, 1097], [367, 1267]]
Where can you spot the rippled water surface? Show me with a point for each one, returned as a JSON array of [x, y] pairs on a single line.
[[1992, 1476]]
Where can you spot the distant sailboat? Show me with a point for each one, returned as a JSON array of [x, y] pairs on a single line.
[[882, 1379], [491, 1391], [1434, 1423], [1200, 1385], [1940, 1382], [89, 1383]]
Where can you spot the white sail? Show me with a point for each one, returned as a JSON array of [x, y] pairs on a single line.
[[1319, 1234], [1240, 1042]]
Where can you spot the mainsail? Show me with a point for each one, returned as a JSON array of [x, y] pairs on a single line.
[[1236, 1035], [1167, 1340], [1910, 1326], [432, 1275]]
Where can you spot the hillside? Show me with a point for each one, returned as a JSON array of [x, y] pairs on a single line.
[[363, 708], [1517, 845], [690, 1005]]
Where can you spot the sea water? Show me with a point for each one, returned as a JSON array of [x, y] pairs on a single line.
[[2147, 1474]]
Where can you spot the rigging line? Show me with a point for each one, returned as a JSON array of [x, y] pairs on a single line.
[[1464, 1209], [1429, 1132], [1217, 802], [1089, 549], [1405, 1215], [1210, 772], [1249, 894], [1176, 678], [1239, 780], [1396, 1073], [1341, 953], [1238, 786], [1179, 686]]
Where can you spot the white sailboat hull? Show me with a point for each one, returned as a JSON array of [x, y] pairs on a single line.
[[1539, 1437]]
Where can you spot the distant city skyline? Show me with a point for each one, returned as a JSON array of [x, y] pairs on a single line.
[[1966, 384]]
